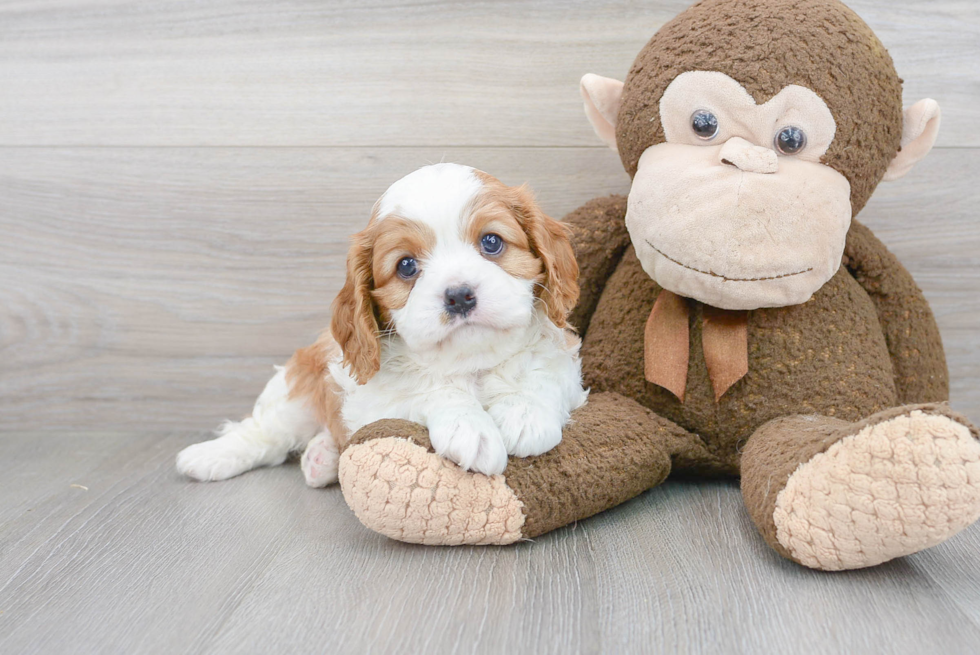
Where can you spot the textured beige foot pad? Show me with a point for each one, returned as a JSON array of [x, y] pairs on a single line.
[[405, 492], [890, 490]]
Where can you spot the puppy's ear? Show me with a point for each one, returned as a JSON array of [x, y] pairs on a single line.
[[354, 324], [550, 242]]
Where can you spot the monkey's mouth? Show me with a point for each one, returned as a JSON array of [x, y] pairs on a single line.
[[725, 277]]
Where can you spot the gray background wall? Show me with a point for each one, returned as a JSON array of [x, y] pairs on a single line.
[[178, 179]]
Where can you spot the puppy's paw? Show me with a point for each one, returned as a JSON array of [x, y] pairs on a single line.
[[469, 438], [527, 429], [218, 459], [319, 461]]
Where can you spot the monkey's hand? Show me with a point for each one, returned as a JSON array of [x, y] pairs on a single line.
[[914, 343]]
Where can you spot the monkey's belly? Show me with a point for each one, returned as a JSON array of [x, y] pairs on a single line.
[[827, 356]]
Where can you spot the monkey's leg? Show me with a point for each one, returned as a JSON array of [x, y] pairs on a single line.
[[833, 495], [612, 450]]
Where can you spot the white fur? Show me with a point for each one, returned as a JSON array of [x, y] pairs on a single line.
[[319, 461], [438, 196], [507, 392], [433, 194], [503, 380], [277, 426]]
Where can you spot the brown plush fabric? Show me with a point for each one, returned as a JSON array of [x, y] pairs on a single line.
[[391, 427], [612, 439], [863, 346], [827, 356], [911, 332], [778, 448], [767, 45], [599, 238], [560, 486], [773, 453]]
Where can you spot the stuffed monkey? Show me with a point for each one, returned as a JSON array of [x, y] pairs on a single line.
[[736, 319]]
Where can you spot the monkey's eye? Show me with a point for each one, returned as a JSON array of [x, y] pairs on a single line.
[[704, 124], [407, 268], [491, 244], [790, 140]]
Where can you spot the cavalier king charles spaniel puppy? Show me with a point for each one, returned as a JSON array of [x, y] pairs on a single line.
[[452, 316]]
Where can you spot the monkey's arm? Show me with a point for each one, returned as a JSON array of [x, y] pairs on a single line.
[[599, 237], [910, 329]]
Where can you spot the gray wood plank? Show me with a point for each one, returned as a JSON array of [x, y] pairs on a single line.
[[153, 286], [413, 599], [141, 563], [147, 562], [24, 483], [302, 73], [156, 287], [690, 550], [955, 569]]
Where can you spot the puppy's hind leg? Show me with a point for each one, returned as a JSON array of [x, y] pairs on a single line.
[[278, 425]]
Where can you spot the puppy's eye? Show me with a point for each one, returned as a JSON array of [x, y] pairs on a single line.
[[407, 268], [491, 244], [790, 140], [704, 124]]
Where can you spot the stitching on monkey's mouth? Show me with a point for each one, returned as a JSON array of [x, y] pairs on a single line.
[[726, 279]]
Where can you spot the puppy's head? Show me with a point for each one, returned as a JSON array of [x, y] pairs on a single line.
[[452, 260]]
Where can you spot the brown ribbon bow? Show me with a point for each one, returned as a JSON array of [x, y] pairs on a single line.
[[666, 349]]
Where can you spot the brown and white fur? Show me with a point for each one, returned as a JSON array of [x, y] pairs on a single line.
[[501, 378]]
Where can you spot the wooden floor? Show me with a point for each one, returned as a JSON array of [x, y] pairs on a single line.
[[105, 550], [177, 184]]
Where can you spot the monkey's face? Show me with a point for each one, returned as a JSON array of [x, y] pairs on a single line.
[[752, 140], [735, 208]]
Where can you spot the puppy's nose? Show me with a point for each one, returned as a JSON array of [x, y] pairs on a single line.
[[460, 300]]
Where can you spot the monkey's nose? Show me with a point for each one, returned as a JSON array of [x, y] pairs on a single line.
[[747, 157], [459, 300]]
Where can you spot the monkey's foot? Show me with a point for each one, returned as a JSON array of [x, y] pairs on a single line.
[[894, 486], [399, 488], [612, 450]]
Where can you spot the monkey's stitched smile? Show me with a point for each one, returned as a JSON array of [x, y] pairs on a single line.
[[726, 279]]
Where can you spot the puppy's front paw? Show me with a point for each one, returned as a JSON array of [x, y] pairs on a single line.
[[218, 459], [319, 461], [527, 429], [469, 438]]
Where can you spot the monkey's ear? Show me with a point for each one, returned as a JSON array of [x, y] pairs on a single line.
[[602, 96], [919, 131]]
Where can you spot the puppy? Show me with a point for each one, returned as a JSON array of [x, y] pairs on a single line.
[[452, 316]]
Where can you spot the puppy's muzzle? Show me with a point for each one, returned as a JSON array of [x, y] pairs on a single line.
[[459, 301]]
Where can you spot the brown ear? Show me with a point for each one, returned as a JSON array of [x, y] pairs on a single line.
[[354, 324], [550, 242]]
